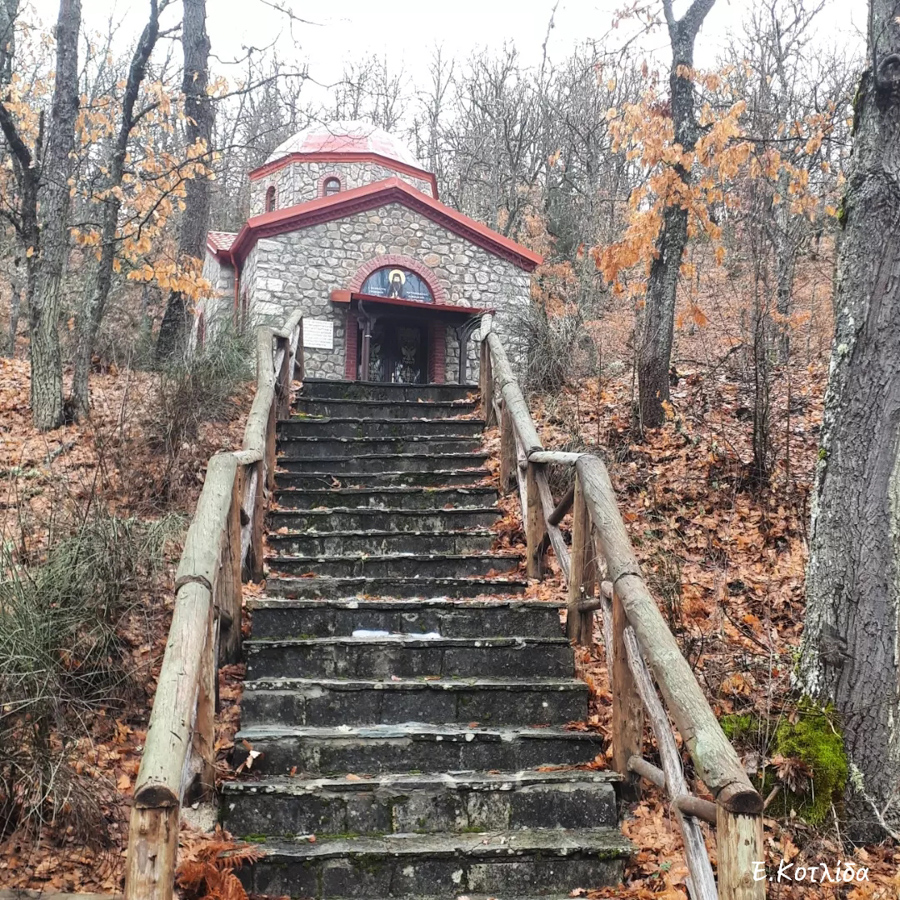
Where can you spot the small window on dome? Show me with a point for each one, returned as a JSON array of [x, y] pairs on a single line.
[[331, 186], [270, 199]]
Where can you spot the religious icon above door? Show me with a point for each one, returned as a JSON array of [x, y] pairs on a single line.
[[398, 283]]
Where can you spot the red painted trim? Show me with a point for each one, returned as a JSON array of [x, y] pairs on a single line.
[[437, 356], [320, 185], [347, 156], [348, 296], [371, 196], [405, 262]]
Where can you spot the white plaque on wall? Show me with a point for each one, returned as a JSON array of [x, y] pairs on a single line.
[[318, 334]]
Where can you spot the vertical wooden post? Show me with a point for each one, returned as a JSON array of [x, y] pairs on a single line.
[[579, 625], [204, 736], [230, 586], [270, 449], [257, 522], [152, 853], [739, 841], [627, 707], [487, 385], [535, 529], [507, 450]]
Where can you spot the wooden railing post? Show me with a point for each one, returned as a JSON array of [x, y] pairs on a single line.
[[230, 586], [257, 521], [152, 853], [582, 574], [627, 706], [535, 530], [507, 450], [739, 841], [203, 740], [486, 374]]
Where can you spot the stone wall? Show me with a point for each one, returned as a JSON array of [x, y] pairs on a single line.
[[219, 305], [300, 182], [302, 268]]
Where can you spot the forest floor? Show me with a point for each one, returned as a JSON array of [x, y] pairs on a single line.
[[724, 555]]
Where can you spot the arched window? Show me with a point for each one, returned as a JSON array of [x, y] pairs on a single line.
[[331, 186], [395, 282], [270, 198]]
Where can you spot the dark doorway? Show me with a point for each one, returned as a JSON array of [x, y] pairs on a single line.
[[398, 352]]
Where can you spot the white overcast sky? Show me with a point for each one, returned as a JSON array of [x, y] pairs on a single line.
[[408, 30]]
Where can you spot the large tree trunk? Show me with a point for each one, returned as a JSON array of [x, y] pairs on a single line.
[[95, 306], [195, 221], [850, 655], [55, 208], [658, 328]]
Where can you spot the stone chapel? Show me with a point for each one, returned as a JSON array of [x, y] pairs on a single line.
[[347, 226]]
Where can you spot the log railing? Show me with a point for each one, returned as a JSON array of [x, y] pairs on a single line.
[[602, 573], [223, 545]]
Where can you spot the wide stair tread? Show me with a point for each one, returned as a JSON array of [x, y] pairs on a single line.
[[403, 701]]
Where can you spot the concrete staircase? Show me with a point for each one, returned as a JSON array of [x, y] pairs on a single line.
[[408, 705]]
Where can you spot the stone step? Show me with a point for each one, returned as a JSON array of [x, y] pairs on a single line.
[[411, 747], [384, 409], [300, 426], [475, 477], [502, 864], [323, 521], [325, 588], [387, 498], [373, 463], [399, 565], [376, 655], [327, 389], [460, 802], [320, 448], [341, 543], [276, 617], [488, 701]]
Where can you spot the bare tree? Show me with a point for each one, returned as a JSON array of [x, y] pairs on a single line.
[[98, 291], [657, 331], [853, 583], [195, 221], [43, 219]]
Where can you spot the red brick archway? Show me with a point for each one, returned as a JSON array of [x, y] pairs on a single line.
[[404, 262]]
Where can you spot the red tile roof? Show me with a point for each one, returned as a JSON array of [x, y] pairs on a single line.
[[371, 196], [220, 240]]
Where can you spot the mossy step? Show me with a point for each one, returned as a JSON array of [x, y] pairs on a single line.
[[397, 565], [462, 802], [322, 521], [411, 747], [472, 477], [400, 409], [290, 447], [355, 701], [374, 542], [280, 617], [358, 427], [370, 461], [409, 656], [328, 389], [389, 497], [499, 863]]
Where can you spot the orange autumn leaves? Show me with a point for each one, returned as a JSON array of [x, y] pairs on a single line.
[[702, 181]]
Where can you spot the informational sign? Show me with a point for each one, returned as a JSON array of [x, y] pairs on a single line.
[[318, 334]]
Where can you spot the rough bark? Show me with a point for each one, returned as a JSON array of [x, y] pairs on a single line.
[[195, 222], [55, 209], [658, 325], [15, 308], [9, 10], [99, 291], [853, 585]]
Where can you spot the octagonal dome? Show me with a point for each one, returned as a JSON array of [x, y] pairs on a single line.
[[345, 137]]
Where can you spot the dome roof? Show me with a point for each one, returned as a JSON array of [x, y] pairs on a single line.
[[345, 137]]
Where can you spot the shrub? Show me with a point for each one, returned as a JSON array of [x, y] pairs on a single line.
[[197, 390], [62, 660]]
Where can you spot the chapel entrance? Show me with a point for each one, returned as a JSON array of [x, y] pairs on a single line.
[[398, 352]]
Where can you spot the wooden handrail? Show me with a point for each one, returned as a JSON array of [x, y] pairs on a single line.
[[634, 631], [224, 540]]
